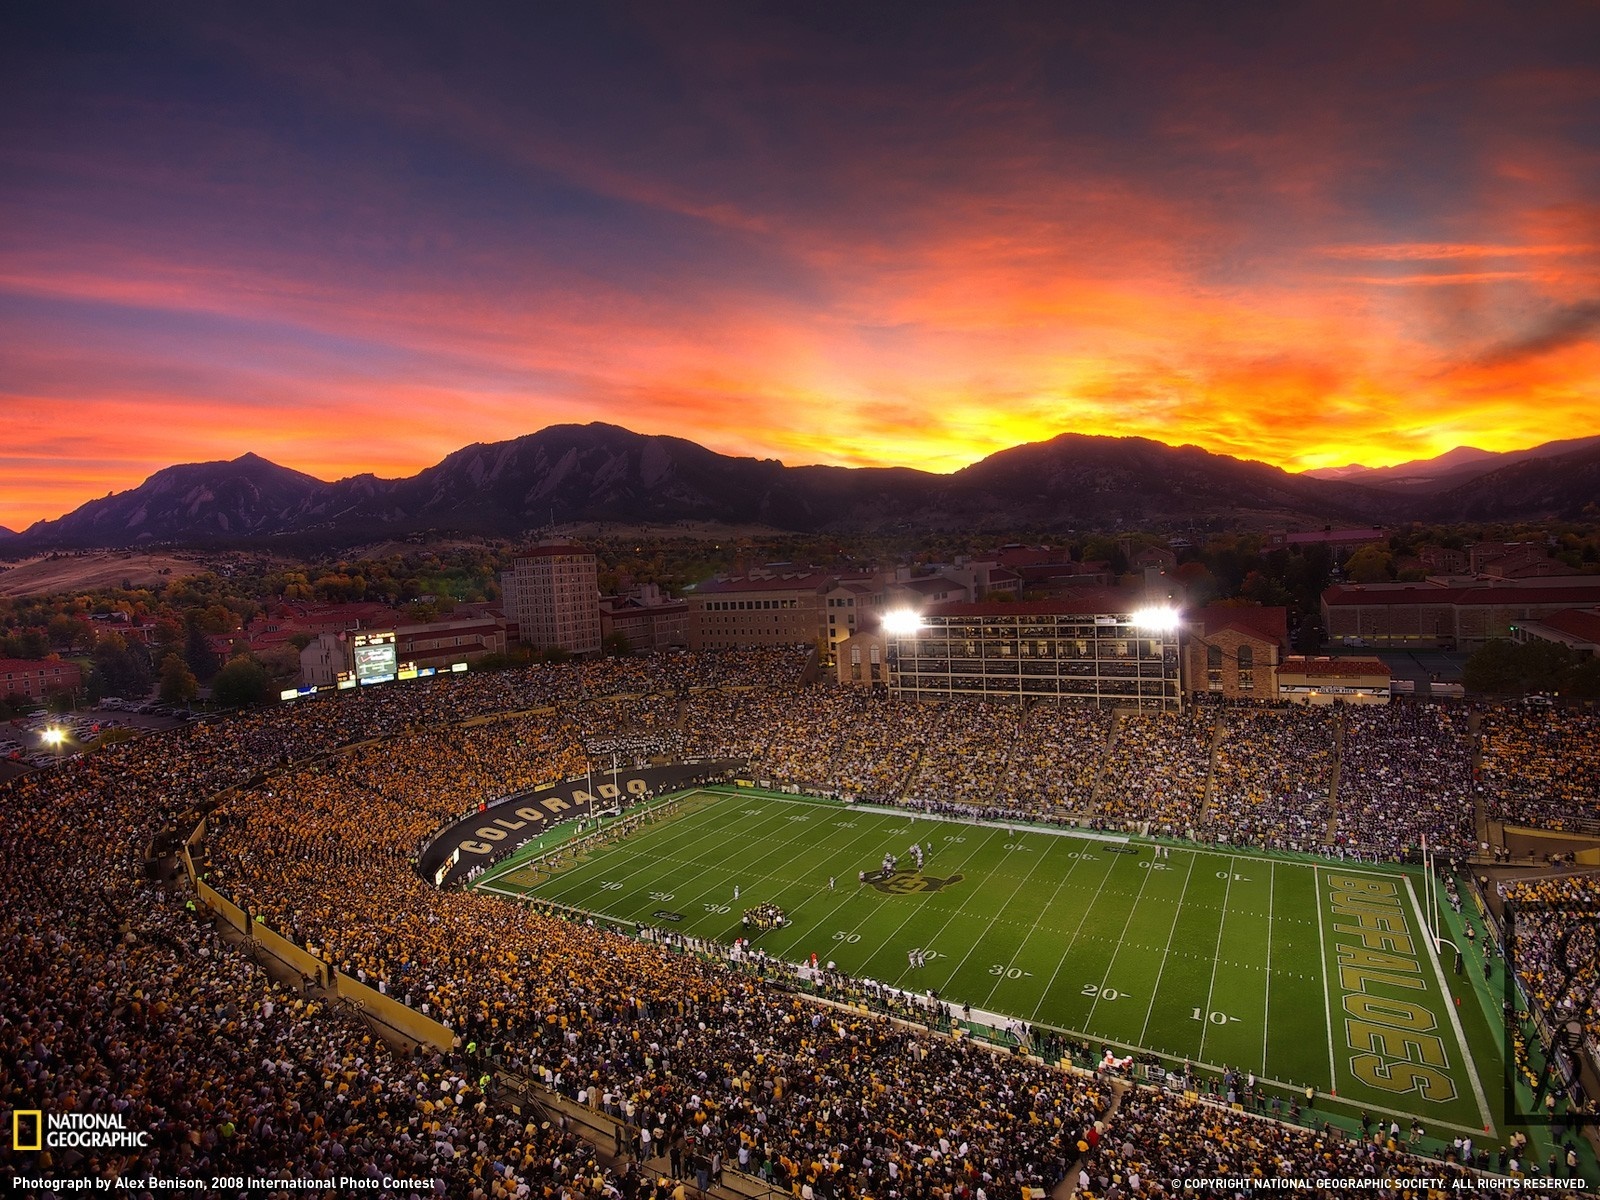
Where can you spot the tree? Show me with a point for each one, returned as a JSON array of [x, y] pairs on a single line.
[[617, 645], [197, 652], [178, 684], [119, 669], [1512, 668], [241, 683], [1370, 564]]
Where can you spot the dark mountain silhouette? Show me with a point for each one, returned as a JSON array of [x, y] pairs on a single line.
[[1450, 469], [1563, 486], [598, 472]]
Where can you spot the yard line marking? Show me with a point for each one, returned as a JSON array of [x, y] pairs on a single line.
[[1222, 925], [1018, 952], [1327, 996], [1455, 1018], [581, 876], [1155, 989], [571, 879], [783, 846], [1036, 925], [1117, 948], [1266, 1003], [916, 911], [1110, 864]]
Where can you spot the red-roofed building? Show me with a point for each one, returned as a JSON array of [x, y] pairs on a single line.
[[783, 609], [1447, 616], [1336, 539], [1575, 628], [1234, 651], [648, 618], [1326, 680]]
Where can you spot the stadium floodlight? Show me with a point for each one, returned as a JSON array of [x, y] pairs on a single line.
[[1157, 619], [903, 622], [53, 736]]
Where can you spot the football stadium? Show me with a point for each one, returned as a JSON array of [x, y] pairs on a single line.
[[699, 924]]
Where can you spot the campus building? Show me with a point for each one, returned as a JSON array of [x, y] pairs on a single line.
[[1234, 652], [552, 595], [1327, 680], [36, 678], [781, 609], [649, 620], [1088, 647], [1448, 614]]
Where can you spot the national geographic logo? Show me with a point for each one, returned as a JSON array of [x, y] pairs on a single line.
[[34, 1129], [910, 883]]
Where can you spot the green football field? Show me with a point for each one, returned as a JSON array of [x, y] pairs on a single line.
[[1300, 971]]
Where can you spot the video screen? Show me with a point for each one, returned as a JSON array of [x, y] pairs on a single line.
[[375, 657]]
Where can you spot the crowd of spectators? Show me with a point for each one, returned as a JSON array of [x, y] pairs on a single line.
[[1273, 778], [1154, 1141], [1556, 955], [1541, 766], [1406, 771], [1157, 771], [117, 999]]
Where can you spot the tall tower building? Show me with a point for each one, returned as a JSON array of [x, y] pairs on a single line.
[[552, 592]]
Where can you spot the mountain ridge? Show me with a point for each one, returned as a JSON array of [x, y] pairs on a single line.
[[599, 472], [1453, 467]]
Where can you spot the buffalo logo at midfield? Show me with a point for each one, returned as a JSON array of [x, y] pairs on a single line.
[[906, 883]]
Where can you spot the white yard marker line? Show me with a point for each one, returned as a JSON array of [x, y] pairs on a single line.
[[917, 911], [1216, 957], [1327, 996], [843, 896], [1110, 865], [1266, 1003], [1117, 949], [580, 877], [1038, 861], [739, 876], [1166, 953], [1455, 1019]]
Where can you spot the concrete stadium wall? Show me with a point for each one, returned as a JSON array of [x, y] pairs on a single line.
[[394, 1014]]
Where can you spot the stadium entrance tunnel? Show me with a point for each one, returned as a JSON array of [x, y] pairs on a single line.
[[483, 838]]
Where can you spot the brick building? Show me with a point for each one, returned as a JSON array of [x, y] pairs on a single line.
[[36, 678], [552, 595], [759, 610], [1451, 616], [1234, 652], [648, 618]]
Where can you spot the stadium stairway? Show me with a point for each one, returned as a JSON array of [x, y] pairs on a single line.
[[1333, 779], [1480, 807], [1218, 732], [1117, 716]]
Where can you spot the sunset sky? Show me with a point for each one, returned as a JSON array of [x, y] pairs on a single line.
[[356, 237]]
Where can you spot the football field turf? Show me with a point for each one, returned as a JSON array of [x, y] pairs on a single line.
[[1300, 971]]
